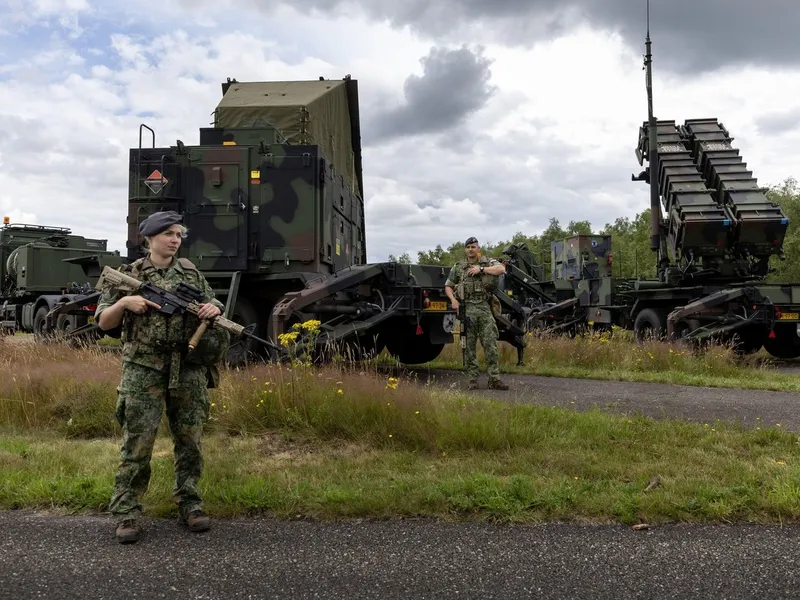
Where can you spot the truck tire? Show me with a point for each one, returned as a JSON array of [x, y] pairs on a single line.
[[40, 332], [650, 324], [366, 347], [411, 349], [242, 351], [748, 341], [684, 327], [66, 323], [785, 344]]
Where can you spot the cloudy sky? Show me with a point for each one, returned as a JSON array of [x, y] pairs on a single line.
[[482, 117]]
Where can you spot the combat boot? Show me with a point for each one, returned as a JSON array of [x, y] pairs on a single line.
[[473, 384], [497, 384], [127, 531], [198, 521]]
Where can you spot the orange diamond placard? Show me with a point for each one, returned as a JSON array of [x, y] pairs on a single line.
[[155, 182]]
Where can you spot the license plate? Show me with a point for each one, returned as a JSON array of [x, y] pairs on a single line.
[[437, 306], [789, 316]]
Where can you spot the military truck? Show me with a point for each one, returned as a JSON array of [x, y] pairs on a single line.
[[41, 268], [532, 301], [712, 248], [272, 196]]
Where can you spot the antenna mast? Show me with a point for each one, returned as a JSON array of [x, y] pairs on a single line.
[[652, 144]]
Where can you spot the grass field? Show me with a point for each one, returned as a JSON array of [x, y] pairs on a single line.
[[616, 357], [345, 442]]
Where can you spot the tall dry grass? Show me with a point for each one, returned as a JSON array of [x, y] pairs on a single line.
[[73, 391], [57, 387], [617, 352]]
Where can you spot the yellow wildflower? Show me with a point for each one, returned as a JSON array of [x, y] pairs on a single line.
[[286, 338]]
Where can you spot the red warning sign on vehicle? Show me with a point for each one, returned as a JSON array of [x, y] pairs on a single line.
[[156, 181]]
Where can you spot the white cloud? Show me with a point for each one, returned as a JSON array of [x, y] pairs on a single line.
[[556, 140]]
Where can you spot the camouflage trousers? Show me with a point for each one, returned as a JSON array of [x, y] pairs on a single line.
[[143, 394], [481, 325]]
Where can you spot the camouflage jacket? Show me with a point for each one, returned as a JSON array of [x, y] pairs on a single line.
[[151, 338], [472, 290]]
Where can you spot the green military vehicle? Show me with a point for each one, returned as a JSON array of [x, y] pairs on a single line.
[[41, 268], [712, 248], [530, 300], [272, 196]]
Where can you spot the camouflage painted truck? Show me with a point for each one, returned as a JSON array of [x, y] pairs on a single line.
[[273, 198], [713, 249], [44, 267]]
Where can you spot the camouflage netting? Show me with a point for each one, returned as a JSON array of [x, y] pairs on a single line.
[[304, 112]]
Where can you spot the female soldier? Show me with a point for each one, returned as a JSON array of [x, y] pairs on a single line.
[[155, 373]]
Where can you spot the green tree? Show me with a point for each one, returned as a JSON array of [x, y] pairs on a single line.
[[438, 256], [787, 196], [630, 245], [404, 258]]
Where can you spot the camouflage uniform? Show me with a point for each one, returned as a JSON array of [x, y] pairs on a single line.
[[474, 293], [154, 374]]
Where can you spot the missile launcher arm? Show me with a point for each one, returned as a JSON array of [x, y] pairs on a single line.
[[697, 225], [759, 224]]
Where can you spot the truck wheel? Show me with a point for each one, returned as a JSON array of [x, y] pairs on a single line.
[[242, 351], [66, 323], [650, 324], [365, 347], [782, 350], [40, 331], [412, 349], [785, 344], [748, 341]]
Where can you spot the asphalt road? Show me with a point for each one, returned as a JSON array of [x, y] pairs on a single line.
[[701, 404], [77, 557]]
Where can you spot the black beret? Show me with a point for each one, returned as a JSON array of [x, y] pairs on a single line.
[[158, 222], [472, 240]]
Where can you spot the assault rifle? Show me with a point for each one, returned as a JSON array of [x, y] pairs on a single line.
[[464, 322], [186, 298]]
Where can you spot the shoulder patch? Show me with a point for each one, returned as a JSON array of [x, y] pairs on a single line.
[[135, 267], [187, 264]]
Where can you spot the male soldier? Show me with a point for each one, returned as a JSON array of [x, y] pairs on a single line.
[[155, 372], [475, 284]]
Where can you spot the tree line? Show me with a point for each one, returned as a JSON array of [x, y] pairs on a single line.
[[630, 241]]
